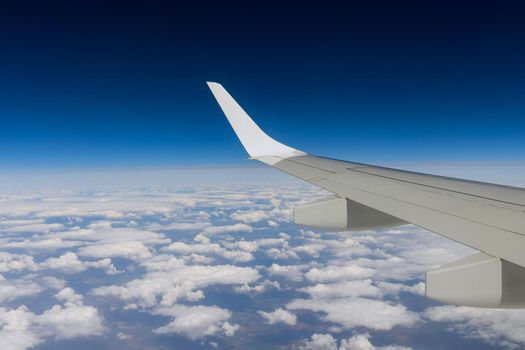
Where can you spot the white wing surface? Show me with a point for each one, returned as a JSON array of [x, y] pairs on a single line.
[[487, 217]]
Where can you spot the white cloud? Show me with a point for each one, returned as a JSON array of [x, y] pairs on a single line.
[[70, 263], [74, 319], [395, 288], [210, 248], [132, 250], [259, 288], [279, 316], [497, 327], [178, 226], [123, 336], [250, 216], [362, 342], [216, 230], [343, 289], [16, 329], [291, 272], [196, 322], [30, 228], [349, 312], [10, 290], [21, 329], [42, 243], [311, 249], [319, 342], [282, 254], [178, 282], [337, 273], [16, 262]]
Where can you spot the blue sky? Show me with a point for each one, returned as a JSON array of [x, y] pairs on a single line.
[[111, 84]]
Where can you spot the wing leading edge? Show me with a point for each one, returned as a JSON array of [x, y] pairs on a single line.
[[487, 217]]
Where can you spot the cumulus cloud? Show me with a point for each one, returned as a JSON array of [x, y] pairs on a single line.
[[42, 243], [216, 230], [132, 250], [21, 329], [356, 342], [70, 263], [336, 273], [497, 327], [16, 262], [258, 288], [29, 227], [362, 342], [279, 316], [319, 342], [10, 290], [343, 289], [291, 272], [380, 315], [179, 282], [196, 322], [74, 319], [210, 248], [250, 216]]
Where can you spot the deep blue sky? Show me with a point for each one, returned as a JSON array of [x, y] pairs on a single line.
[[89, 84]]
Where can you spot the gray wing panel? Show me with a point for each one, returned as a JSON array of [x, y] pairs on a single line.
[[487, 217]]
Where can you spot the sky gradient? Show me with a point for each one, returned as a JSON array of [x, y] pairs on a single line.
[[98, 84]]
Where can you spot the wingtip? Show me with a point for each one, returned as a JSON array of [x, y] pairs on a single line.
[[256, 142]]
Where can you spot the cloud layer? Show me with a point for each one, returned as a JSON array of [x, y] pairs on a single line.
[[220, 267]]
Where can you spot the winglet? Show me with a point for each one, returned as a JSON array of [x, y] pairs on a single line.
[[256, 142]]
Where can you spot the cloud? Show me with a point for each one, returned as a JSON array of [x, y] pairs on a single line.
[[380, 315], [290, 272], [319, 342], [74, 319], [279, 316], [356, 342], [54, 243], [177, 282], [30, 227], [210, 248], [282, 254], [311, 249], [250, 216], [16, 262], [16, 329], [362, 342], [259, 288], [395, 288], [497, 327], [336, 273], [70, 263], [343, 289], [178, 226], [132, 250], [21, 329], [10, 290], [216, 230], [196, 322]]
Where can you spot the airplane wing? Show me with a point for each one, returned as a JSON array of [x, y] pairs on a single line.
[[487, 217]]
